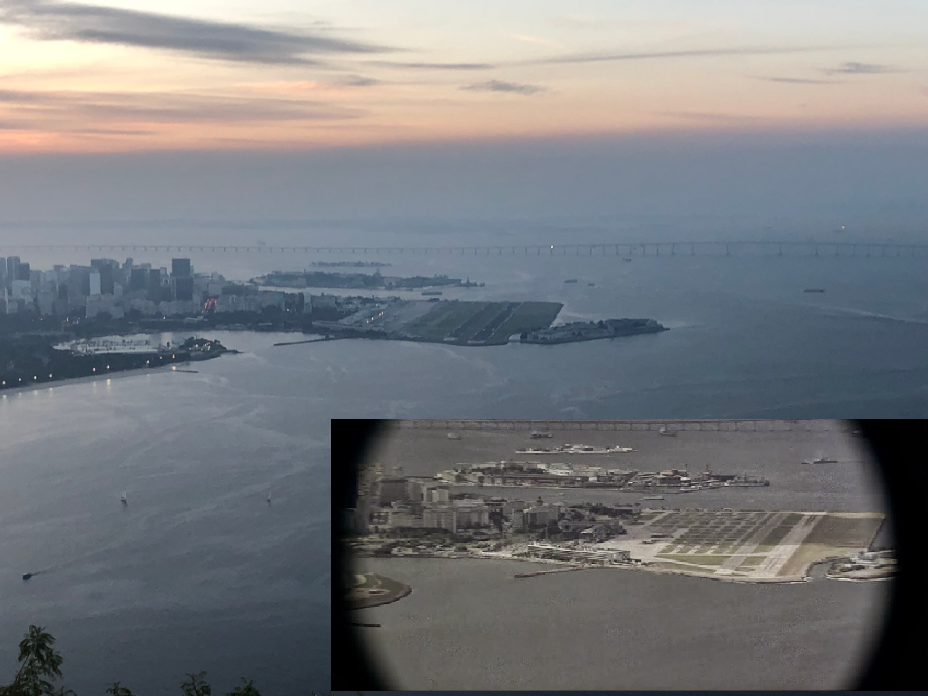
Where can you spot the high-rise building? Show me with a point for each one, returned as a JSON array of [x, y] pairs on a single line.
[[105, 268], [12, 268], [181, 268], [23, 271], [154, 285], [95, 282], [78, 282], [2, 271], [106, 280], [138, 279], [183, 288]]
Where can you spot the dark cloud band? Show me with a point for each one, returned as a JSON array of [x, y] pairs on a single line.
[[52, 21]]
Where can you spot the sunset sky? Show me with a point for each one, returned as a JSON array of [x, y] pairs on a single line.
[[287, 109], [134, 75]]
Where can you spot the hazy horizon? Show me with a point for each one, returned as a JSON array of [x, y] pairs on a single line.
[[868, 177], [803, 115]]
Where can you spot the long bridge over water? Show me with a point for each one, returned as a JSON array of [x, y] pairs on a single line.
[[740, 248], [740, 425]]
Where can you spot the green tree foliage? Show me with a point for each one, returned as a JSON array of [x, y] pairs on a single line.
[[40, 664], [246, 689], [196, 686]]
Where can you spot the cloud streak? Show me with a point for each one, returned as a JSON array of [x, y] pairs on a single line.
[[500, 86], [861, 69], [655, 55], [66, 21], [433, 66], [161, 108], [799, 80]]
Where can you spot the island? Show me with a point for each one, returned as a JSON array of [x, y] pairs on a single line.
[[349, 264], [467, 323], [374, 281], [590, 330]]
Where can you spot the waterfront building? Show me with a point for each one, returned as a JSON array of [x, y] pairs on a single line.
[[540, 515], [435, 493], [392, 490], [595, 533], [404, 516], [470, 514], [564, 553], [439, 517]]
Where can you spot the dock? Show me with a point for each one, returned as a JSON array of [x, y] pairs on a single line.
[[548, 572]]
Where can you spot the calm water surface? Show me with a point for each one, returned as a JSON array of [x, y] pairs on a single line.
[[198, 572], [471, 625]]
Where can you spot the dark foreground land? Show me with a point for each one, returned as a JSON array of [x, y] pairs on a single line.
[[24, 363]]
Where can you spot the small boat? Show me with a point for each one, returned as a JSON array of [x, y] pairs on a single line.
[[454, 436], [667, 433], [814, 290], [537, 435], [653, 497], [571, 280], [268, 498], [592, 285], [27, 576], [821, 460], [627, 259], [124, 498]]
